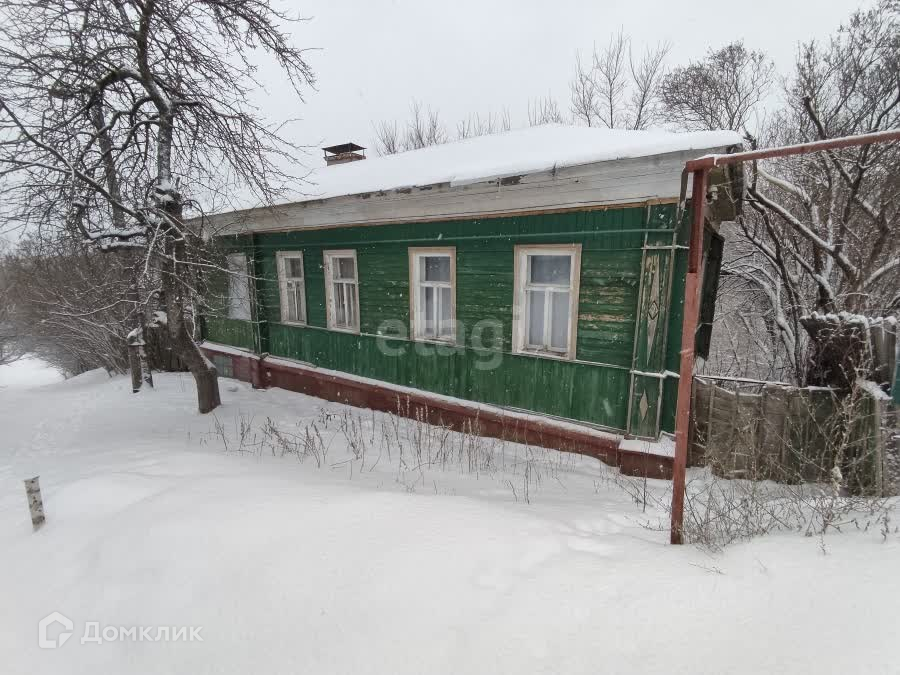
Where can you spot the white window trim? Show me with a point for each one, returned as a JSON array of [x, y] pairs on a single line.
[[520, 319], [282, 257], [243, 275], [328, 257], [416, 327]]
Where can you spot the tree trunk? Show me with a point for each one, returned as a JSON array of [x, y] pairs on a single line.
[[140, 324], [137, 361], [135, 365], [188, 351], [204, 372], [145, 365], [176, 285], [207, 389]]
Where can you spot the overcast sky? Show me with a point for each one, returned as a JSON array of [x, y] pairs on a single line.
[[373, 57]]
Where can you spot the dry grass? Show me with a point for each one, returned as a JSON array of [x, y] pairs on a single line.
[[403, 444]]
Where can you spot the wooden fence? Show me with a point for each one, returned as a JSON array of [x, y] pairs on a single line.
[[775, 431]]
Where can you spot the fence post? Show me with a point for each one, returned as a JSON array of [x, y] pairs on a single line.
[[880, 423], [135, 345], [35, 503]]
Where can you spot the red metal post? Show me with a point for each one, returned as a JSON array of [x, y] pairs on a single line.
[[699, 167], [688, 337]]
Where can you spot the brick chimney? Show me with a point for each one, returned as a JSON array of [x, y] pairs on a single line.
[[343, 153]]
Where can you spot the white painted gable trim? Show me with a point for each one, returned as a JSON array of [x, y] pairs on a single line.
[[625, 181]]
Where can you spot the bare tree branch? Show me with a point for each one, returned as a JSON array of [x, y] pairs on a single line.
[[115, 114]]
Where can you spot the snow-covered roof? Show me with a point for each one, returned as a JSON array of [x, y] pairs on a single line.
[[511, 153]]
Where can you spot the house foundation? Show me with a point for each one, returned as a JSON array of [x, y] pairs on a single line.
[[490, 421]]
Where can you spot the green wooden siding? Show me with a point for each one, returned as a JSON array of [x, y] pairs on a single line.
[[231, 332], [580, 392], [595, 388], [676, 315]]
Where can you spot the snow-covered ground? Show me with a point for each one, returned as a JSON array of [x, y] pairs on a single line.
[[28, 372], [382, 564]]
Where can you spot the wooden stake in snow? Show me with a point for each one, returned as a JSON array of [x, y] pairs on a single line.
[[35, 503], [135, 343]]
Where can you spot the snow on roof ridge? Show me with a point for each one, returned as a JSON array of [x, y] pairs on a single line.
[[508, 153]]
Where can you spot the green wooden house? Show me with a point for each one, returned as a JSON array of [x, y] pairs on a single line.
[[537, 271]]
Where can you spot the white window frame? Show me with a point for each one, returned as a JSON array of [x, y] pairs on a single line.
[[416, 284], [284, 282], [329, 257], [238, 272], [520, 304]]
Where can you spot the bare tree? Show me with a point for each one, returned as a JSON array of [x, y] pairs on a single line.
[[617, 90], [388, 140], [822, 232], [10, 348], [720, 92], [423, 129], [583, 93], [482, 125], [645, 94], [116, 114], [611, 77], [544, 111], [8, 351], [72, 306]]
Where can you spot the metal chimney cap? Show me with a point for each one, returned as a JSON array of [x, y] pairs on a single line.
[[342, 148]]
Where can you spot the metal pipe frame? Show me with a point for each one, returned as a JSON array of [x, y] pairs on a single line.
[[700, 169]]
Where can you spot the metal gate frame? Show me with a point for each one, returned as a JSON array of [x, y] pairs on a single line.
[[699, 169]]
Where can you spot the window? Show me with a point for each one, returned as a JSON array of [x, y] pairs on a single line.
[[238, 300], [546, 299], [291, 287], [432, 277], [341, 290]]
